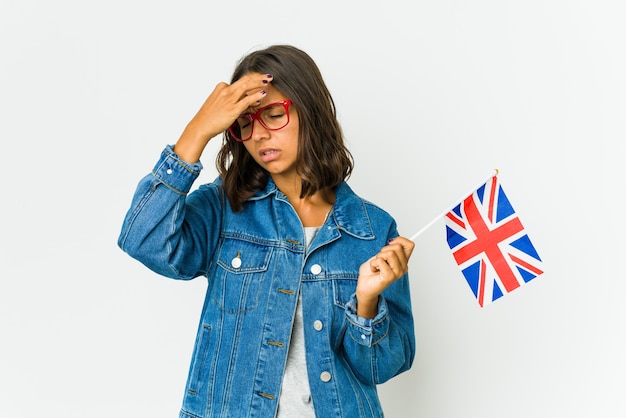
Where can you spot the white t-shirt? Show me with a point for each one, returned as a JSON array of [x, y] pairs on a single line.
[[295, 395]]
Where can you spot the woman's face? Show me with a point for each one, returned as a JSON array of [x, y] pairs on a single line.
[[275, 151]]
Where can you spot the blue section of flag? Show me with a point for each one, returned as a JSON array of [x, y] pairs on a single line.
[[453, 238], [497, 292], [457, 210], [472, 274], [504, 206], [526, 275], [480, 193], [524, 244]]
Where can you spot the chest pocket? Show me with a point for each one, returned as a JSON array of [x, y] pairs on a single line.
[[241, 268], [343, 289]]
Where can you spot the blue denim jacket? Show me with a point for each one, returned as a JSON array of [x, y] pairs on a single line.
[[256, 263]]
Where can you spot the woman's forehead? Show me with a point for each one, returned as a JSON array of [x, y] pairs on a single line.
[[272, 95]]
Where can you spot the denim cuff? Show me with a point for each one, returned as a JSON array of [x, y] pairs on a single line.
[[175, 173], [366, 331]]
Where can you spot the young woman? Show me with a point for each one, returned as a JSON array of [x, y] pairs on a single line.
[[308, 304]]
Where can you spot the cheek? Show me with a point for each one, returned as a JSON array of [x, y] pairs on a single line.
[[248, 146], [294, 122], [294, 129]]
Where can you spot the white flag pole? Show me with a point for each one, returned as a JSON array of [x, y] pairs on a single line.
[[442, 214]]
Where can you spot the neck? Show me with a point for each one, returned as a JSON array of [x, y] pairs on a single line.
[[312, 210], [290, 186]]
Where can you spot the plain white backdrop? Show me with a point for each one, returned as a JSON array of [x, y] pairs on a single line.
[[432, 97]]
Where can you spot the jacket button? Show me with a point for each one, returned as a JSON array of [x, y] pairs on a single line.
[[316, 269], [236, 262], [318, 325], [325, 376]]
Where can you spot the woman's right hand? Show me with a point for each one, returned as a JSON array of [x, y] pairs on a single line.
[[218, 112]]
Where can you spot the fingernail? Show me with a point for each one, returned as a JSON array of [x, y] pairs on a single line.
[[263, 92], [265, 81], [269, 76]]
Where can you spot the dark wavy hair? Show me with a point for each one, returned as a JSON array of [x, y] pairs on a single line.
[[323, 159]]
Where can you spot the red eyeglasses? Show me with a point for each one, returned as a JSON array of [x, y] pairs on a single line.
[[272, 117]]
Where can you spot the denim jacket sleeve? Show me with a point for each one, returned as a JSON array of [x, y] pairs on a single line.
[[165, 228], [384, 346]]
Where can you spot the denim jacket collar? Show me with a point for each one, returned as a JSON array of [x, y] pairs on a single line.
[[349, 212]]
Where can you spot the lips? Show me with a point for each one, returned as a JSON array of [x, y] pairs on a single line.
[[268, 154]]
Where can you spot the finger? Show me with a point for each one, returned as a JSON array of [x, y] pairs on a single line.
[[250, 84], [374, 264], [253, 99], [395, 254], [407, 245], [384, 269], [402, 256]]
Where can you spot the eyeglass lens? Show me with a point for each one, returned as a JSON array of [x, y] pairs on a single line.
[[272, 117]]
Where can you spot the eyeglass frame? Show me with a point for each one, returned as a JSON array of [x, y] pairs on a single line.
[[257, 116]]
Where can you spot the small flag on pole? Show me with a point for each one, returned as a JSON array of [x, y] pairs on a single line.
[[489, 243]]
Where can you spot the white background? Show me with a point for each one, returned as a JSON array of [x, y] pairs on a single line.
[[432, 95]]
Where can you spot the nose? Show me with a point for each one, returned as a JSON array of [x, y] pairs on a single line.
[[258, 131]]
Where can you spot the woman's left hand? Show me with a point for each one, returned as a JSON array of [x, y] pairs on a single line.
[[380, 271]]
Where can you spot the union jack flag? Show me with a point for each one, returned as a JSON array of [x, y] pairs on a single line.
[[490, 245]]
